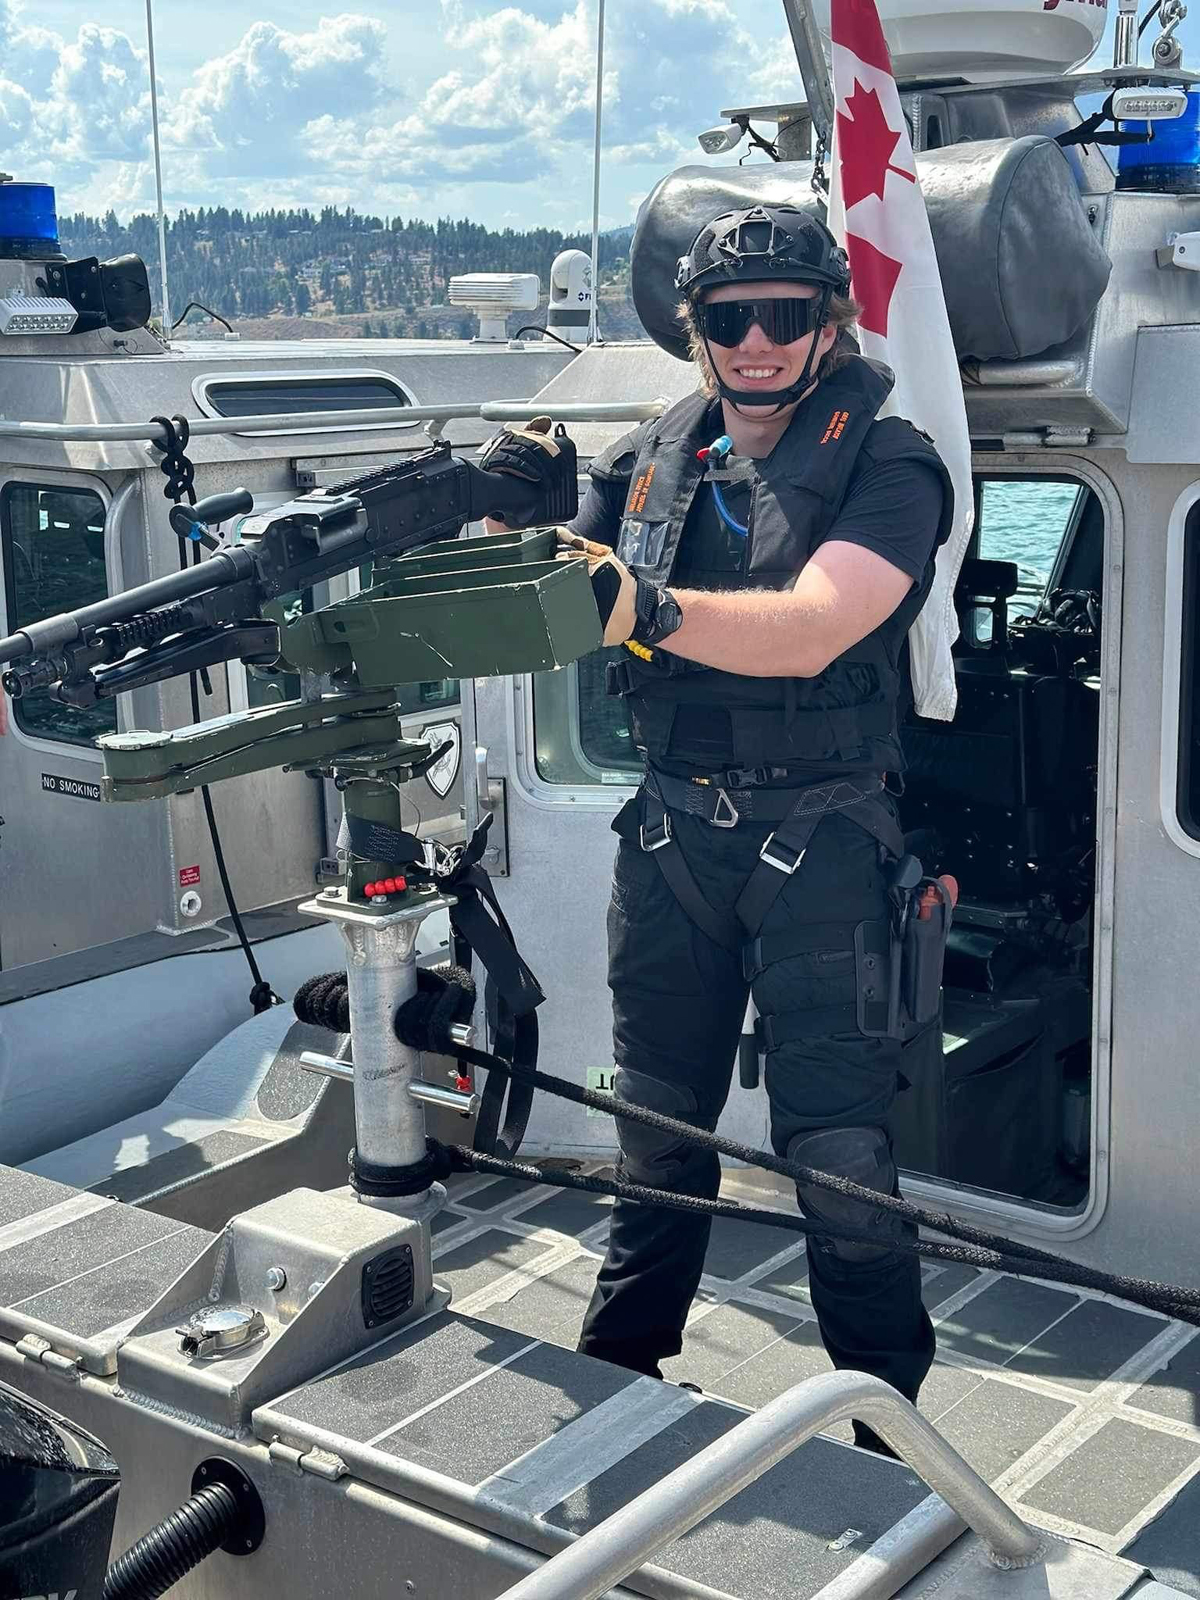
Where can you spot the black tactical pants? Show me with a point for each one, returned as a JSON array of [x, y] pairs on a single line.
[[678, 1004]]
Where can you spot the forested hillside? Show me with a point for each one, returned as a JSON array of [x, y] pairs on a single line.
[[339, 272]]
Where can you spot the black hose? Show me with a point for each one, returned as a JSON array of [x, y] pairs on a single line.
[[180, 1542]]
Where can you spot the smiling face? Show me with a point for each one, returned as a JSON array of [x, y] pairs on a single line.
[[756, 363]]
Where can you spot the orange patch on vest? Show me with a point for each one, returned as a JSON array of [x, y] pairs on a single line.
[[837, 423], [637, 498]]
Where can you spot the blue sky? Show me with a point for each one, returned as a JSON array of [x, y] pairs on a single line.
[[418, 107]]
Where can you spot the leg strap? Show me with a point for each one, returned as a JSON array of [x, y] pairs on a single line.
[[658, 838], [783, 851], [779, 857]]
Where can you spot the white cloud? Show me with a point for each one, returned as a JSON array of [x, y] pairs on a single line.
[[520, 105], [99, 102], [312, 115], [245, 113]]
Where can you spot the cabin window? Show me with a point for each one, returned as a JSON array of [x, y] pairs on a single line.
[[582, 733], [53, 540], [1188, 783], [1026, 520], [270, 393]]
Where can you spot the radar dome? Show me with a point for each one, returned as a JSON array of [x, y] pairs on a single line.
[[989, 40]]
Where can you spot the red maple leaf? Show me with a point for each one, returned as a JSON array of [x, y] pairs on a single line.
[[874, 280], [866, 141]]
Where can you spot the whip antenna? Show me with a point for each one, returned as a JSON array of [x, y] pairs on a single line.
[[593, 319], [158, 189]]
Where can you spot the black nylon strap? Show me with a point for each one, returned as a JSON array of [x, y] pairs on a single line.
[[723, 805], [784, 850], [511, 995], [766, 950], [656, 827], [780, 859], [816, 1023], [375, 841]]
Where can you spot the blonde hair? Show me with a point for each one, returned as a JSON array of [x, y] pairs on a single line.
[[842, 314]]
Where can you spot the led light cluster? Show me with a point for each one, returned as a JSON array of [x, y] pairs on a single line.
[[30, 313]]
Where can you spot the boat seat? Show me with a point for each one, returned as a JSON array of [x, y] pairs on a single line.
[[1003, 790]]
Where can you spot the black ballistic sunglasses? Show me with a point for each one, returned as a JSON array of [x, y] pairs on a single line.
[[726, 322]]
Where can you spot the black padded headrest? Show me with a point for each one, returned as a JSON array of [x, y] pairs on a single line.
[[993, 206], [987, 580]]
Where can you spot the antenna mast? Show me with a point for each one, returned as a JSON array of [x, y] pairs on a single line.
[[158, 188], [593, 322]]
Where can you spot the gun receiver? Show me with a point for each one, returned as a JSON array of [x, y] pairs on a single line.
[[212, 612]]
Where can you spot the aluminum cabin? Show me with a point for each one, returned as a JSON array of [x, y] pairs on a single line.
[[470, 1443]]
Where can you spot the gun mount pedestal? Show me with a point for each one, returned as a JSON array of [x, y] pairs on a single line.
[[381, 974], [308, 1279]]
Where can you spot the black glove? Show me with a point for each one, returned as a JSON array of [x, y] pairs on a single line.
[[527, 452]]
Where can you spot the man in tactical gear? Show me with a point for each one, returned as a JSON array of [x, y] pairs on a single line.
[[764, 548]]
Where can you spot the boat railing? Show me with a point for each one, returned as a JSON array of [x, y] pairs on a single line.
[[436, 416], [613, 1549]]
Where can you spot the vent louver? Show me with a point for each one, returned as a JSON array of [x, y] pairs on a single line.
[[387, 1286]]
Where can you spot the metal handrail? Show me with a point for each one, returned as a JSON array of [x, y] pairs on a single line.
[[620, 1544], [314, 421]]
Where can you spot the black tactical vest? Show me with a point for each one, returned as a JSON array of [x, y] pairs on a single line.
[[848, 714]]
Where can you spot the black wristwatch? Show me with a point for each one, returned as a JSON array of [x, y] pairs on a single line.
[[657, 613]]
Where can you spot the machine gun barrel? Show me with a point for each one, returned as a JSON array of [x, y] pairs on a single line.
[[39, 637], [201, 615]]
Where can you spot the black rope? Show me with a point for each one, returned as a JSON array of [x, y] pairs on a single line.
[[324, 1002], [977, 1248], [1145, 1292], [180, 475]]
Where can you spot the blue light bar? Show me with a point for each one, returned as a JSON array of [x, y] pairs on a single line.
[[28, 225], [1170, 162]]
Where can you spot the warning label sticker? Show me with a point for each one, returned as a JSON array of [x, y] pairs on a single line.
[[77, 788], [603, 1079], [188, 875]]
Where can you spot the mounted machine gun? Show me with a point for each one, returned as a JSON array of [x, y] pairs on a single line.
[[438, 606]]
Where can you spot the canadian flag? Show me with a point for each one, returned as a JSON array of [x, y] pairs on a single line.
[[877, 211]]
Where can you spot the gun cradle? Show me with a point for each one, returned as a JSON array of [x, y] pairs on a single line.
[[469, 608], [476, 608], [146, 766]]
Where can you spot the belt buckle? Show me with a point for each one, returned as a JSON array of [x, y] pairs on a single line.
[[786, 867], [725, 813], [658, 843]]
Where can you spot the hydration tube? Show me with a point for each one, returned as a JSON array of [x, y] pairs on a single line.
[[715, 456]]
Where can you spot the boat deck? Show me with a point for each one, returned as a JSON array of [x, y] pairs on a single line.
[[1083, 1412]]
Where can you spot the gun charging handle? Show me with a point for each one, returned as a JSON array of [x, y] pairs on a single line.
[[192, 522]]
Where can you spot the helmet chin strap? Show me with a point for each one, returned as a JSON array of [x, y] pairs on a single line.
[[778, 399]]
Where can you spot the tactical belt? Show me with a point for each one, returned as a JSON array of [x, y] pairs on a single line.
[[797, 813]]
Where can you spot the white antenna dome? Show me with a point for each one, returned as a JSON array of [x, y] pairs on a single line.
[[988, 40], [492, 295], [570, 306]]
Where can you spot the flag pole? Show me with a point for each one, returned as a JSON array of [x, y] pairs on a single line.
[[810, 57]]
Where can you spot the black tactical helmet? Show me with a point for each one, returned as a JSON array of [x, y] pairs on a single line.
[[780, 244]]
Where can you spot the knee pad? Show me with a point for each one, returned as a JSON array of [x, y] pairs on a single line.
[[863, 1155], [649, 1156]]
